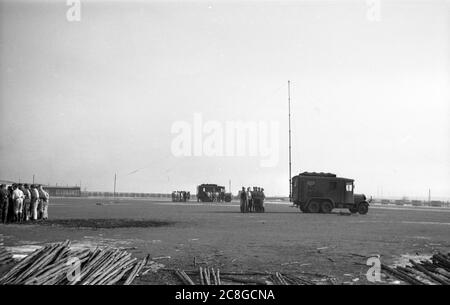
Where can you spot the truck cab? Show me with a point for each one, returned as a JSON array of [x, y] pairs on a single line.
[[322, 192]]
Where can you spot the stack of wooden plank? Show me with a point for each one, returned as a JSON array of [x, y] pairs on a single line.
[[289, 279], [5, 256], [211, 276], [426, 272], [58, 264]]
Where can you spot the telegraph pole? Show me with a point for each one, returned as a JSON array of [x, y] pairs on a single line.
[[229, 186], [115, 178], [33, 178], [289, 110]]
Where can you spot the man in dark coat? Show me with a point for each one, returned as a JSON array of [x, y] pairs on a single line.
[[10, 213], [243, 199], [4, 203]]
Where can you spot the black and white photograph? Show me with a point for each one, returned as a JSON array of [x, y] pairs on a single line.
[[236, 145]]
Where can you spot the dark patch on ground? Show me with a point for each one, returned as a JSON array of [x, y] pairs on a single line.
[[106, 223]]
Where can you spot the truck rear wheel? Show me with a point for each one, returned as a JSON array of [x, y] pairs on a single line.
[[326, 207], [363, 208], [313, 207]]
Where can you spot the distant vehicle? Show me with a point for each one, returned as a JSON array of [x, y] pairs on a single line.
[[212, 193], [399, 202], [181, 196], [385, 201], [416, 203], [322, 192], [228, 197], [436, 203]]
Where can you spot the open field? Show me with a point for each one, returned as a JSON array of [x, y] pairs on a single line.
[[282, 239]]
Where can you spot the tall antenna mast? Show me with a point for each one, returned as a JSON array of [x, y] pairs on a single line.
[[289, 110], [115, 178]]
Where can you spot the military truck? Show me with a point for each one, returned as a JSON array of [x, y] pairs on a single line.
[[385, 201], [322, 192], [416, 203], [436, 203], [212, 193]]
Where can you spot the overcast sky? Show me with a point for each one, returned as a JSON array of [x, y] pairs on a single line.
[[80, 101]]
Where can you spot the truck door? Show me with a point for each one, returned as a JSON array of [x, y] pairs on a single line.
[[349, 192], [310, 188]]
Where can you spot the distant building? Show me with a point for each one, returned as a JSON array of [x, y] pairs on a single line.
[[63, 191], [7, 182]]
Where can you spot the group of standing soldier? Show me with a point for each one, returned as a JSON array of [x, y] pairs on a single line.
[[181, 196], [252, 201], [21, 202], [217, 196]]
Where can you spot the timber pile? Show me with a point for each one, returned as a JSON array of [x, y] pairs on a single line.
[[435, 271], [5, 257], [211, 276], [285, 279], [57, 264]]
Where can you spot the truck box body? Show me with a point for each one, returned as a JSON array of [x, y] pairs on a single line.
[[321, 187]]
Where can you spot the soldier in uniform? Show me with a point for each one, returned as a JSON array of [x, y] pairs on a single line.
[[250, 199], [243, 200], [3, 203], [26, 203], [17, 198], [263, 197], [10, 215], [255, 198], [40, 207], [45, 201], [34, 202]]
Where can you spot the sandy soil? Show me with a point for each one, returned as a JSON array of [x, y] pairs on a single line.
[[316, 246]]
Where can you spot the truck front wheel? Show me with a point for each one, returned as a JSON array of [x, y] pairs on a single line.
[[363, 208], [326, 207]]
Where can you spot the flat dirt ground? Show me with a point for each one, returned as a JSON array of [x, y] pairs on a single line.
[[317, 246]]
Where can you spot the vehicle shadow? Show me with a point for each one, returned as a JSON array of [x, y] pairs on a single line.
[[278, 212]]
